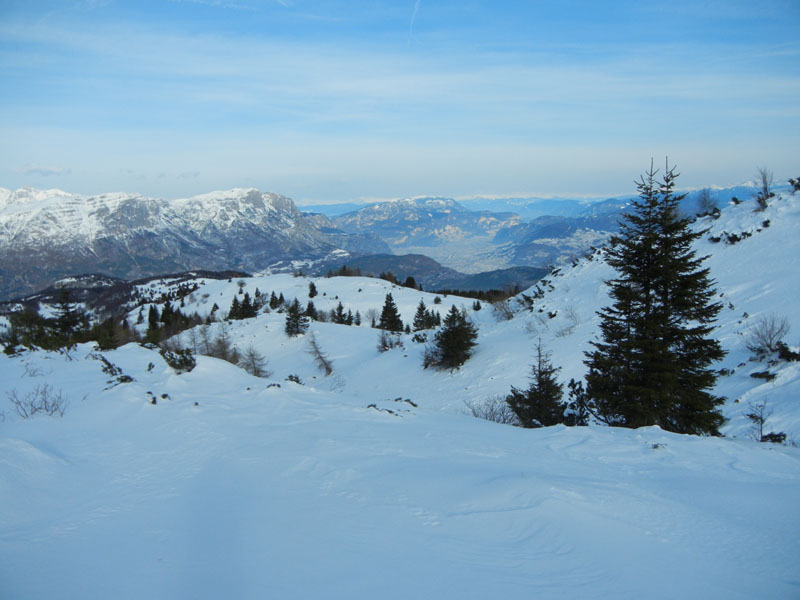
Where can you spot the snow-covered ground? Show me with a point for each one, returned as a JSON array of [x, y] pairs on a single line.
[[374, 483]]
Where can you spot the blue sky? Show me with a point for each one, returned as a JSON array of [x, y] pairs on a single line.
[[352, 100]]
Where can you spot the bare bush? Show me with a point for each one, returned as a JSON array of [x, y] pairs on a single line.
[[372, 315], [764, 181], [320, 358], [494, 409], [763, 336], [42, 399], [502, 310], [387, 341]]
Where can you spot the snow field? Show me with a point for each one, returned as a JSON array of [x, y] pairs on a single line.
[[230, 486]]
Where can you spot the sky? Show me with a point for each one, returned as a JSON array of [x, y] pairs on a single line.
[[358, 100]]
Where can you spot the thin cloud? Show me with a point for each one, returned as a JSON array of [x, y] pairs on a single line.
[[413, 18], [42, 171]]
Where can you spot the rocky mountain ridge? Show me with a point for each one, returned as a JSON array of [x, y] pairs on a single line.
[[49, 234]]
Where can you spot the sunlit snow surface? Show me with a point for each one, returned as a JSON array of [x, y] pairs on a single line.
[[228, 488]]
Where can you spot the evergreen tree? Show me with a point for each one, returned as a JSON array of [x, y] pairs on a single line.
[[247, 310], [153, 334], [579, 406], [357, 319], [421, 317], [541, 404], [652, 365], [311, 311], [339, 317], [453, 343], [233, 313], [390, 318], [69, 319], [296, 321], [312, 289], [273, 301]]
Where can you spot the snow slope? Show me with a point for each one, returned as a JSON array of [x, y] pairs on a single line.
[[373, 483], [295, 492]]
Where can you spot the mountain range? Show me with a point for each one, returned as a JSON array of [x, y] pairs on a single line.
[[46, 235], [49, 234]]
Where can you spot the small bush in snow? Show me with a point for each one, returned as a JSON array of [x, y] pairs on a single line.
[[495, 409], [43, 399], [387, 341], [182, 361], [764, 335], [502, 310]]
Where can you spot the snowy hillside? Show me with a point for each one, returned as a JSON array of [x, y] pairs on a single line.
[[373, 482]]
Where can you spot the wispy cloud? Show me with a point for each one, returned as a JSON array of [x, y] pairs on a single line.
[[413, 18], [42, 171]]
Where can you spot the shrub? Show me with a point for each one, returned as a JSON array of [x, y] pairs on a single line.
[[786, 353], [42, 399], [182, 360], [494, 409], [763, 336], [387, 341]]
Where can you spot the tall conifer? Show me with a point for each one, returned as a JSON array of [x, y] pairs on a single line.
[[652, 365]]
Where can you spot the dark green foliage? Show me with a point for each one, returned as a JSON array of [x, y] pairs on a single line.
[[28, 328], [390, 277], [70, 321], [233, 312], [345, 271], [579, 405], [453, 343], [765, 375], [312, 289], [390, 318], [338, 316], [774, 438], [485, 295], [424, 318], [274, 302], [246, 309], [296, 321], [410, 282], [311, 311], [181, 360], [541, 404], [795, 183], [786, 353], [652, 365]]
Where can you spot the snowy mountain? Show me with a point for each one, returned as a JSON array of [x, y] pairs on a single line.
[[374, 481], [48, 234]]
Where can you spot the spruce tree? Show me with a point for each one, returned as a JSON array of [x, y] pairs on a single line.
[[421, 317], [390, 318], [652, 365], [69, 318], [234, 311], [541, 405], [453, 343], [296, 321]]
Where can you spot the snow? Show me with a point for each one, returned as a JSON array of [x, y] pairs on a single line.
[[374, 482]]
